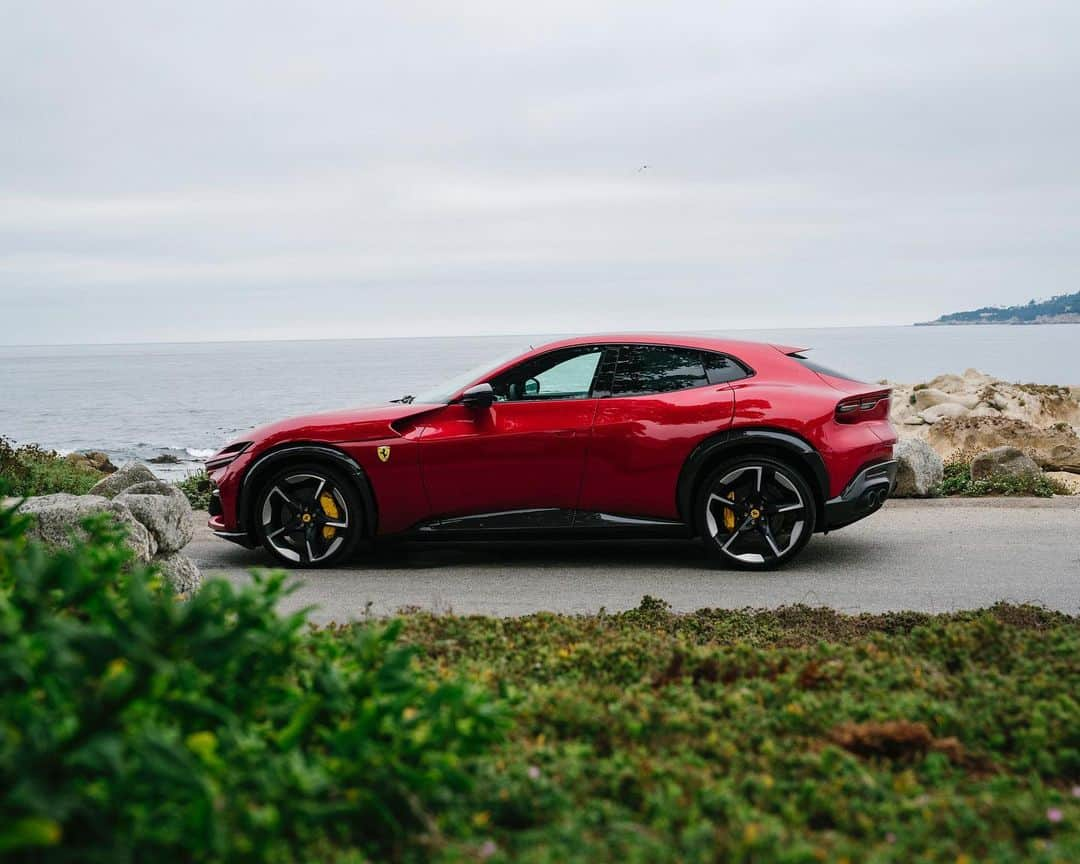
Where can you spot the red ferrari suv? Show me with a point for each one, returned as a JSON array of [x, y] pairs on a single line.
[[752, 447]]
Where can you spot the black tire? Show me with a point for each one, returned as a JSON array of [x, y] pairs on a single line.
[[309, 515], [770, 519]]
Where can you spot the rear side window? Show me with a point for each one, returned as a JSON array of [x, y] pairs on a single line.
[[721, 369], [823, 370], [645, 369]]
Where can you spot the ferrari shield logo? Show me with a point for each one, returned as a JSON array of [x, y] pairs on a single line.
[[384, 454]]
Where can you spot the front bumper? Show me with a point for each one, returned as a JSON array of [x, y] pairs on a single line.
[[865, 494], [216, 522]]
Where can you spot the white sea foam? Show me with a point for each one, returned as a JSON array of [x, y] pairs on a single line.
[[197, 453]]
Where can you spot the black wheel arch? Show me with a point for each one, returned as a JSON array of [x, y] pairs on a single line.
[[325, 454], [780, 444]]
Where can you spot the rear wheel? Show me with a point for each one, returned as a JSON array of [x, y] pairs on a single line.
[[309, 515], [755, 513]]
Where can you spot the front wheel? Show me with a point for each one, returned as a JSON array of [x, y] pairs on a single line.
[[309, 516], [755, 513]]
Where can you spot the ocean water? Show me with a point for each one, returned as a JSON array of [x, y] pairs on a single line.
[[187, 399]]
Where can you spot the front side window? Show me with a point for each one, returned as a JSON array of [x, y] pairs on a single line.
[[565, 374], [645, 369]]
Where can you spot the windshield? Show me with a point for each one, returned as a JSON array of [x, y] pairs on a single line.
[[445, 391]]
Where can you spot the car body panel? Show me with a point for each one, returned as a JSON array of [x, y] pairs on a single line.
[[640, 443], [506, 456], [607, 458]]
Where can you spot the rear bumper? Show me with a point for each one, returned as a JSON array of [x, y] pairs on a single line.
[[862, 496]]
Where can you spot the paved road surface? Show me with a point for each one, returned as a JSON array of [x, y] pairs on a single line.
[[932, 556]]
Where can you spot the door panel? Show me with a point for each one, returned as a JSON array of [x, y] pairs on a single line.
[[639, 445], [509, 456]]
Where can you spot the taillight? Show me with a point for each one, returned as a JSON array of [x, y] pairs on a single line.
[[868, 406]]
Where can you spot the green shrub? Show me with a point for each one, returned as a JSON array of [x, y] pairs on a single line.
[[190, 486], [795, 735], [957, 481], [30, 470], [137, 727]]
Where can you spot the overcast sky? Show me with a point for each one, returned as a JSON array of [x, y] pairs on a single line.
[[206, 170]]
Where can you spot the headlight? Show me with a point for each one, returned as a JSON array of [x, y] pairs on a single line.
[[226, 455]]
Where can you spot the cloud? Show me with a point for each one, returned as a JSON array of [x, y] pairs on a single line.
[[174, 171]]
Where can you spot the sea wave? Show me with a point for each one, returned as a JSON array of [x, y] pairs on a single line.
[[199, 453]]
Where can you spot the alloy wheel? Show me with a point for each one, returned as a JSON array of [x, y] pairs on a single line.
[[757, 514], [305, 517]]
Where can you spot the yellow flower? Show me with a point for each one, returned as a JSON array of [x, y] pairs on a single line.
[[202, 744], [409, 713], [116, 668], [751, 833], [481, 818]]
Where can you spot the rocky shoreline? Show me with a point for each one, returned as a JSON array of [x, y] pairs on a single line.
[[966, 417], [157, 518]]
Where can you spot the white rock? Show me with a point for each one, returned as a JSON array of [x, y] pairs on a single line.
[[940, 412], [181, 572], [920, 469], [1067, 479], [59, 517], [164, 510], [119, 480]]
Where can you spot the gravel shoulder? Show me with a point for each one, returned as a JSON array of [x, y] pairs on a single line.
[[925, 555]]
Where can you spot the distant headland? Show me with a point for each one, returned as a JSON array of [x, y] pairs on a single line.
[[1062, 309]]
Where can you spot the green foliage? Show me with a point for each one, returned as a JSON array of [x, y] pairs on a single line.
[[797, 735], [957, 481], [190, 486], [137, 727], [31, 470]]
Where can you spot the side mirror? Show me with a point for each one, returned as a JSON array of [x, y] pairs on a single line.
[[480, 396], [532, 387]]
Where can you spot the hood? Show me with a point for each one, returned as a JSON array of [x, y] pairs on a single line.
[[352, 424]]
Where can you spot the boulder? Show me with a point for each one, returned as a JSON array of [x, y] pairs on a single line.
[[1068, 480], [181, 571], [117, 482], [94, 460], [164, 510], [1055, 448], [943, 411], [928, 397], [1003, 462], [920, 469], [58, 517]]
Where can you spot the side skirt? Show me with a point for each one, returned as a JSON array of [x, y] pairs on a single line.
[[543, 522]]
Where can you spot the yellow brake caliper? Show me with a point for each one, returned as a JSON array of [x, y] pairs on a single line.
[[329, 507], [729, 514]]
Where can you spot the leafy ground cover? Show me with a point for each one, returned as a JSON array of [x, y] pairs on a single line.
[[794, 735], [137, 727], [957, 481], [197, 489], [32, 470]]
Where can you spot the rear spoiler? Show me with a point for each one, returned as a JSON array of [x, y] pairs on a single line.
[[788, 350]]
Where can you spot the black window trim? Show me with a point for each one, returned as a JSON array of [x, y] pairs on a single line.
[[621, 346], [617, 348], [584, 348]]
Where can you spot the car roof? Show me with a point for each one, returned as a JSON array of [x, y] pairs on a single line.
[[735, 347]]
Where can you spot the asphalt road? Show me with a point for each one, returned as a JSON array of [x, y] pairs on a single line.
[[932, 556]]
